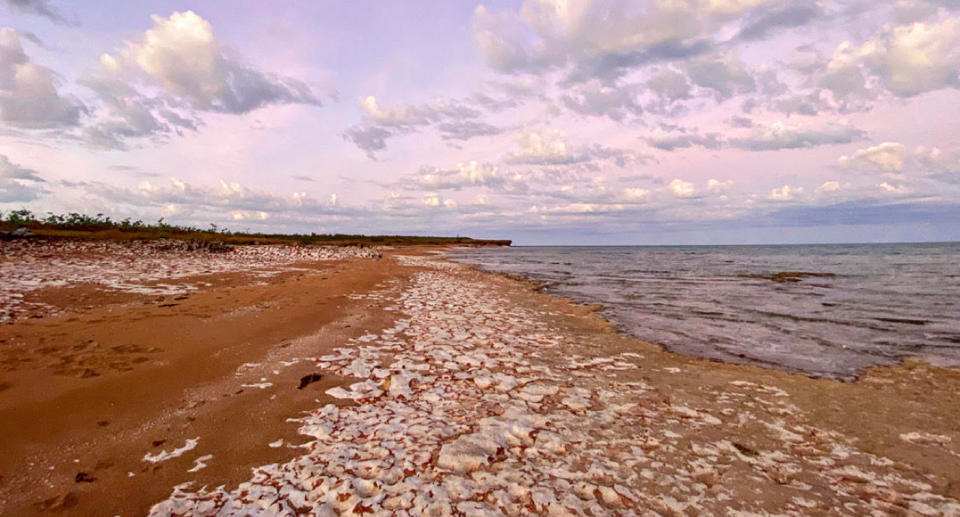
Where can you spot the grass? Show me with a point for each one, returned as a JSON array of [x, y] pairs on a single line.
[[82, 226]]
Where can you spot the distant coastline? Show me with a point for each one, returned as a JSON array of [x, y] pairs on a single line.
[[75, 225]]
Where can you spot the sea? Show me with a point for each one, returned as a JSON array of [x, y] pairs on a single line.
[[828, 310]]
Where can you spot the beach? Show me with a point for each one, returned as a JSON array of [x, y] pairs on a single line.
[[278, 380]]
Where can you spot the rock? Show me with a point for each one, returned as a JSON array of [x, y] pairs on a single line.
[[306, 380], [83, 477], [19, 233]]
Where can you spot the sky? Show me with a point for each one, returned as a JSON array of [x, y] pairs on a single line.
[[541, 121]]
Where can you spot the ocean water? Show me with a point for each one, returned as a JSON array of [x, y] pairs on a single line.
[[825, 310]]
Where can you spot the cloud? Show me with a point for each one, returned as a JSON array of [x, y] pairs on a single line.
[[787, 15], [595, 98], [38, 7], [438, 201], [18, 183], [785, 193], [681, 188], [596, 38], [887, 157], [29, 96], [843, 75], [606, 39], [669, 86], [907, 59], [550, 148], [126, 113], [829, 186], [368, 138], [892, 159], [683, 140], [467, 174], [581, 209], [466, 129], [454, 119], [893, 189], [636, 194], [540, 148], [779, 135], [912, 59], [401, 115], [500, 38], [222, 201], [181, 54], [719, 187], [808, 103], [16, 192], [726, 77], [782, 135], [245, 215], [10, 170]]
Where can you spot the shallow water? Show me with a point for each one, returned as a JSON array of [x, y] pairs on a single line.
[[873, 304]]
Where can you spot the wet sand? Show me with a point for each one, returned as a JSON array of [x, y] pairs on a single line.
[[441, 389]]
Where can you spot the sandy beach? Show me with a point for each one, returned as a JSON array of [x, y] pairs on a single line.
[[276, 380]]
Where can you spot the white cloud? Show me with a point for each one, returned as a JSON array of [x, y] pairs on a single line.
[[887, 156], [730, 7], [893, 189], [718, 186], [466, 174], [908, 59], [431, 200], [547, 147], [916, 58], [578, 208], [29, 96], [842, 74], [784, 193], [682, 188], [829, 186], [455, 120], [783, 135], [401, 115], [636, 194], [246, 215], [597, 35], [182, 55]]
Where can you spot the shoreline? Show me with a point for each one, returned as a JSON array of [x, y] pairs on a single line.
[[601, 309], [790, 417]]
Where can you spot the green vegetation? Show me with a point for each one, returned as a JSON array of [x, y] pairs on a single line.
[[74, 225]]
